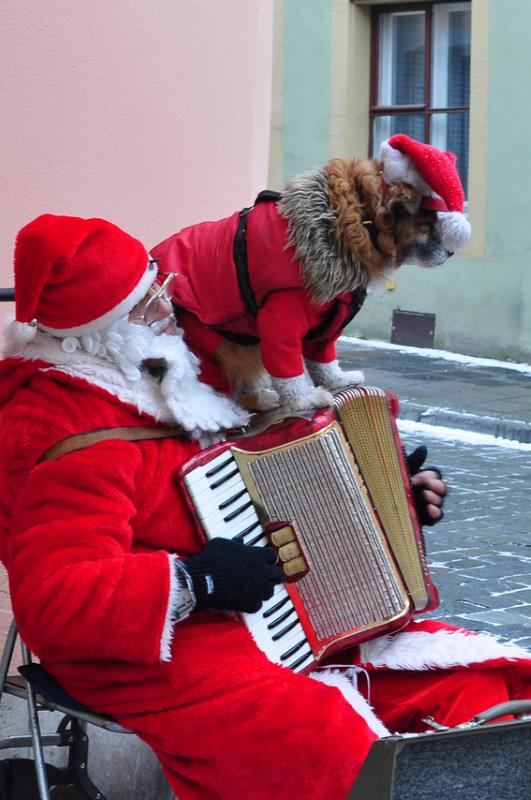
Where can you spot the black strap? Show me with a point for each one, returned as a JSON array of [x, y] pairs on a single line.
[[373, 233], [326, 327], [268, 196], [239, 250], [239, 253]]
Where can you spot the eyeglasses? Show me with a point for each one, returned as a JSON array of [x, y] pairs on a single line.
[[149, 310]]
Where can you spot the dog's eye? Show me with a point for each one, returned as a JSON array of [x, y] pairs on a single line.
[[429, 229]]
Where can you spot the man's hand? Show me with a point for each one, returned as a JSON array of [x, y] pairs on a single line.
[[429, 488], [233, 576]]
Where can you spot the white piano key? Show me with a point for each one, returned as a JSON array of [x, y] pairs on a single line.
[[208, 494], [298, 665], [274, 649], [199, 473], [301, 647], [214, 524], [206, 497]]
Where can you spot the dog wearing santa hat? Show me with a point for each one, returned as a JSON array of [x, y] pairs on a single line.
[[263, 295]]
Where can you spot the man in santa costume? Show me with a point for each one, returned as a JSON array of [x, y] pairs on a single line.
[[110, 583]]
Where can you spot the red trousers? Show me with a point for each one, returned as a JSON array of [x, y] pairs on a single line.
[[226, 723]]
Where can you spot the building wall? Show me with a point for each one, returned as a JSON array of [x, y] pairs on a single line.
[[329, 69], [139, 112]]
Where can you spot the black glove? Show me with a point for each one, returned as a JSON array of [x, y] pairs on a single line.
[[234, 576], [414, 461]]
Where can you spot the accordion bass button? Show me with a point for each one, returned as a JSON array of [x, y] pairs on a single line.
[[295, 566], [289, 551], [282, 536]]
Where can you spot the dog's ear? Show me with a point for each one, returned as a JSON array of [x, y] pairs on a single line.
[[401, 201]]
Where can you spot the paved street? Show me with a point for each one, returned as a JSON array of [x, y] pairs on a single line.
[[480, 554]]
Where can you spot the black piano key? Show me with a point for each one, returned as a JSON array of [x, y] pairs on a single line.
[[238, 511], [293, 650], [256, 538], [276, 607], [300, 660], [224, 479], [231, 500], [283, 617], [285, 630], [250, 529], [215, 470]]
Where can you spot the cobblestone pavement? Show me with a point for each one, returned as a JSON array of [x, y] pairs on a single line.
[[480, 553]]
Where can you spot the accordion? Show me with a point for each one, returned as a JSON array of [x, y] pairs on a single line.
[[330, 489]]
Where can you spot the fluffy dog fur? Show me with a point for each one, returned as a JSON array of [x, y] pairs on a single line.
[[347, 232]]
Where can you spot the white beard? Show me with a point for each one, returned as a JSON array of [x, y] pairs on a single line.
[[182, 398]]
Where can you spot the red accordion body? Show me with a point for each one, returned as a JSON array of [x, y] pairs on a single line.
[[337, 475]]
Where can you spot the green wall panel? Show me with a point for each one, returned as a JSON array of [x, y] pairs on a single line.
[[306, 87]]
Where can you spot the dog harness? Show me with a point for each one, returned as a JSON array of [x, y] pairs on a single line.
[[336, 318]]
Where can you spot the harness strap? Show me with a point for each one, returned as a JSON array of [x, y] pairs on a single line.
[[131, 434], [239, 250], [358, 298], [242, 270]]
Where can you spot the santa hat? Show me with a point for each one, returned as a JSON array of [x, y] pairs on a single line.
[[75, 276], [433, 172]]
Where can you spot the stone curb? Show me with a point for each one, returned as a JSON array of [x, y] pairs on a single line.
[[515, 430]]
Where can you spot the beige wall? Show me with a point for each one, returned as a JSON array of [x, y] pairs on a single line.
[[153, 114]]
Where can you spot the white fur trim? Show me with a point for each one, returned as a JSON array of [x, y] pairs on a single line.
[[21, 332], [399, 167], [181, 602], [213, 410], [442, 649], [117, 312], [454, 229], [174, 597], [195, 404], [340, 681]]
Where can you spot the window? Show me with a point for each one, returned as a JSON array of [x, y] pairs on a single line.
[[420, 76]]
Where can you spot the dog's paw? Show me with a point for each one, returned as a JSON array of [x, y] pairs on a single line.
[[298, 394], [267, 399], [332, 376], [263, 400], [315, 397], [350, 378]]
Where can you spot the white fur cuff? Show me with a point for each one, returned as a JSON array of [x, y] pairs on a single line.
[[181, 602], [340, 681]]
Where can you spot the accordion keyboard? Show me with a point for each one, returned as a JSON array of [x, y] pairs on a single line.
[[223, 505]]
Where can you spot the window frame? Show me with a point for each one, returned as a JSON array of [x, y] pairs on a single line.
[[424, 109]]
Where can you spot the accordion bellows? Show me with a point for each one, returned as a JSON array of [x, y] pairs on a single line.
[[338, 476]]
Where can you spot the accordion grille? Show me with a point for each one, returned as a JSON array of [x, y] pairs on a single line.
[[364, 414], [314, 482]]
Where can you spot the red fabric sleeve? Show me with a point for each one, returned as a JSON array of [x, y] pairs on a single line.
[[78, 591], [282, 322], [323, 352]]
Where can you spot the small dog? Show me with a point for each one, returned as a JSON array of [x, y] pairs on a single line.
[[265, 293]]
